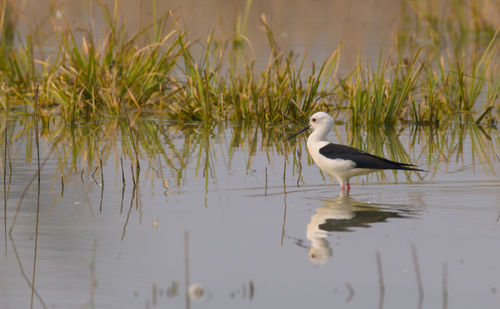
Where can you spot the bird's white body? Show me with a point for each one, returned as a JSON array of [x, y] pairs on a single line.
[[341, 169]]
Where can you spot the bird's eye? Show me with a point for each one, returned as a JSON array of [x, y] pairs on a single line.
[[314, 120]]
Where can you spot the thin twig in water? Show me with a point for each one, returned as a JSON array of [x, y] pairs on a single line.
[[285, 206], [123, 185], [154, 299], [81, 176], [10, 171], [418, 275], [284, 176], [93, 277], [102, 184], [23, 273], [379, 271], [5, 145], [299, 160], [445, 285], [93, 173], [137, 188], [87, 200], [131, 203], [37, 197], [123, 173], [251, 288], [284, 221], [128, 214], [381, 286], [186, 267], [351, 292], [62, 186], [136, 152], [133, 176], [265, 190]]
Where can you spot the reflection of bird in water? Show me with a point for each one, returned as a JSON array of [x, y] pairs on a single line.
[[343, 214]]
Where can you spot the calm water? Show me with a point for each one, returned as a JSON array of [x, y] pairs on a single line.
[[248, 237]]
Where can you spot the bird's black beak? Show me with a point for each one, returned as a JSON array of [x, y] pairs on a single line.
[[295, 134]]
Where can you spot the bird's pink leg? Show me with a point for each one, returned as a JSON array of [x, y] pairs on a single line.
[[348, 187], [342, 187]]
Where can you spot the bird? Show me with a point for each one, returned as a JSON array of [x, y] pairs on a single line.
[[340, 161]]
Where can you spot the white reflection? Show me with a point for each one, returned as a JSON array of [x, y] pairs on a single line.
[[343, 214]]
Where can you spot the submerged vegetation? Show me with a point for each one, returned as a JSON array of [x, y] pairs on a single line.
[[160, 70]]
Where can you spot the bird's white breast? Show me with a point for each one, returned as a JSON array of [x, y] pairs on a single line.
[[333, 167]]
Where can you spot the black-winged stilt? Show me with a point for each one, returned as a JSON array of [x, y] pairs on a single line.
[[340, 161]]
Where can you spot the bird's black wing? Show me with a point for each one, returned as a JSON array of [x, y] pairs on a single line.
[[364, 218], [363, 159]]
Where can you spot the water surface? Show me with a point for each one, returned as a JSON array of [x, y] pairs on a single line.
[[221, 208]]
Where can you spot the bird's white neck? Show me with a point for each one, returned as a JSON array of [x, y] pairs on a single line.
[[319, 134]]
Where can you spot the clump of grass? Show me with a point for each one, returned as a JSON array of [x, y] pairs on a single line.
[[159, 70], [377, 96], [95, 76], [213, 92], [452, 88], [279, 92]]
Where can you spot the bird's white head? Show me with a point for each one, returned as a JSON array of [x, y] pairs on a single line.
[[321, 124], [321, 121]]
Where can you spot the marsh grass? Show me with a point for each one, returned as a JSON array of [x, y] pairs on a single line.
[[449, 88], [160, 70], [378, 95]]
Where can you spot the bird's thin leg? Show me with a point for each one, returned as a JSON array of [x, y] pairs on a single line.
[[348, 187], [342, 187]]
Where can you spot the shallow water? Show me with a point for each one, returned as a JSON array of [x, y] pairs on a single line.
[[249, 235]]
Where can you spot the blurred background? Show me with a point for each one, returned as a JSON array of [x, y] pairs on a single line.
[[316, 27]]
